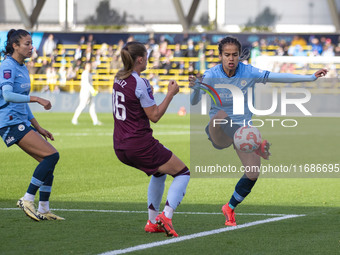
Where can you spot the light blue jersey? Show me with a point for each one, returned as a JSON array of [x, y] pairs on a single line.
[[17, 76], [245, 77]]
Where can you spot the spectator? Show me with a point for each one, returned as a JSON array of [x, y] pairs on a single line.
[[62, 76], [78, 53], [88, 54], [190, 51], [316, 47], [49, 46], [328, 48], [71, 73], [44, 66], [156, 57], [255, 51], [116, 63], [298, 40], [90, 40], [178, 54], [163, 48]]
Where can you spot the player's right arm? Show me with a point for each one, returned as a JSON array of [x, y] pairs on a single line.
[[195, 85], [155, 112], [10, 96]]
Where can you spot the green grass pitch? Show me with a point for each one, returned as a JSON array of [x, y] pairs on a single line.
[[89, 176]]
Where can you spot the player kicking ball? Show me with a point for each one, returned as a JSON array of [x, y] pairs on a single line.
[[232, 72]]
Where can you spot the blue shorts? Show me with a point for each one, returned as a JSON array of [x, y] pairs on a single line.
[[228, 130], [13, 134]]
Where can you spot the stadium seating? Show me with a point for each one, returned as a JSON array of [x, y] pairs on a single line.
[[159, 77]]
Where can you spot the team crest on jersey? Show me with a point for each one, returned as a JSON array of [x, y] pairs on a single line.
[[21, 127], [243, 83], [150, 93], [7, 74]]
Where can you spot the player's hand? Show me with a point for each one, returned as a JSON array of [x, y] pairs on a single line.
[[173, 87], [193, 80], [45, 103], [94, 93], [46, 134], [320, 73]]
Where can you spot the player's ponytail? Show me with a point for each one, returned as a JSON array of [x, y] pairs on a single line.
[[13, 36], [129, 54]]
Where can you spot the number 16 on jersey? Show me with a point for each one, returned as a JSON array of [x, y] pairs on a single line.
[[119, 109]]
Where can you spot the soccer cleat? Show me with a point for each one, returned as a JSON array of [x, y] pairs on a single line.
[[166, 224], [49, 216], [229, 215], [263, 150], [152, 227], [29, 208]]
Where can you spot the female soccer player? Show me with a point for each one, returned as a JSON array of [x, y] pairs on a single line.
[[86, 96], [133, 108], [16, 119], [231, 71]]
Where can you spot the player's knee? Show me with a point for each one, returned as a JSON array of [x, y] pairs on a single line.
[[53, 158], [220, 115], [184, 171]]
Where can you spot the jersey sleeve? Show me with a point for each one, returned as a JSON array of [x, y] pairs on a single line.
[[144, 93], [260, 76], [7, 74]]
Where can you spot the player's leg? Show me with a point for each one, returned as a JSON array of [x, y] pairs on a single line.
[[251, 163], [221, 130], [82, 104], [155, 194], [92, 111], [36, 146], [181, 174]]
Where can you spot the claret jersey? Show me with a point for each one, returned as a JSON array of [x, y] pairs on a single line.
[[132, 126]]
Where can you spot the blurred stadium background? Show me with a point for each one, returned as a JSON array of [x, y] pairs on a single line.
[[181, 37]]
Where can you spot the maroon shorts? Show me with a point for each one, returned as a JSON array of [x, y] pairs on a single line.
[[148, 159]]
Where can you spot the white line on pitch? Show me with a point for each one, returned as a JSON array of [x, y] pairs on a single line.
[[122, 211], [197, 235]]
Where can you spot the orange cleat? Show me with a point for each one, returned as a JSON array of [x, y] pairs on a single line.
[[152, 227], [166, 224], [229, 215], [263, 150]]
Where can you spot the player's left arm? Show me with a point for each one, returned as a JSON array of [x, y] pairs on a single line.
[[291, 78], [45, 133]]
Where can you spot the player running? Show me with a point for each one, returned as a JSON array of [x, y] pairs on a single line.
[[133, 108], [16, 119], [232, 72]]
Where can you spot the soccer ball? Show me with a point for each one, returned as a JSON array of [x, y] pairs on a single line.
[[247, 139]]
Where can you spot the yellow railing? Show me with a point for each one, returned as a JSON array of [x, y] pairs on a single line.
[[104, 76]]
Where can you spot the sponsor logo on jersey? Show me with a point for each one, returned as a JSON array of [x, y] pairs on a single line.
[[7, 74], [21, 127], [9, 140], [150, 93], [25, 85]]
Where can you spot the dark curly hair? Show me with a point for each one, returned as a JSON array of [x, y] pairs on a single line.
[[13, 36]]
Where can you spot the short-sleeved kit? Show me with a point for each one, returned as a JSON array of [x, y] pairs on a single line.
[[133, 141], [14, 117]]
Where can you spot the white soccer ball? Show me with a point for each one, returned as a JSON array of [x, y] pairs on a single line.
[[247, 139]]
